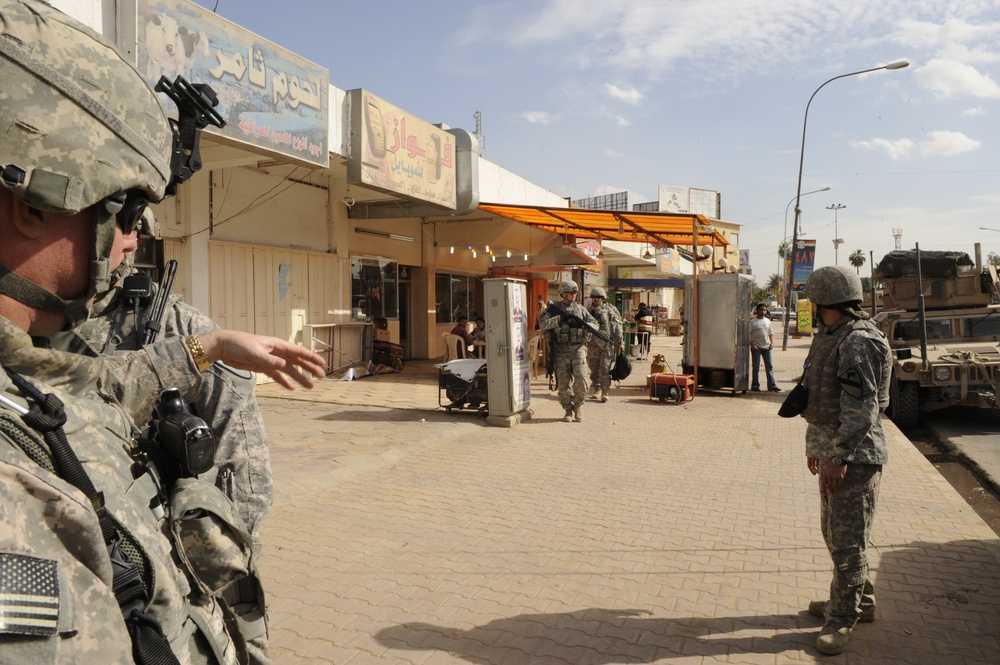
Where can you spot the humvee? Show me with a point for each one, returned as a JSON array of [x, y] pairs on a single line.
[[944, 332]]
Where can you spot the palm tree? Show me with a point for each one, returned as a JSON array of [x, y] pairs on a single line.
[[857, 259], [784, 250], [773, 284]]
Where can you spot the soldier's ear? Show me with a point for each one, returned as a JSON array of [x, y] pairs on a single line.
[[20, 219]]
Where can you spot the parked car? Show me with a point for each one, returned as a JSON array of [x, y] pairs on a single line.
[[777, 313]]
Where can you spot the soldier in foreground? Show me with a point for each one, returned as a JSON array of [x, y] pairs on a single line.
[[225, 401], [116, 556], [599, 354], [847, 375], [568, 342]]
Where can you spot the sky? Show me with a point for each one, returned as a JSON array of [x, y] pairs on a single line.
[[590, 97]]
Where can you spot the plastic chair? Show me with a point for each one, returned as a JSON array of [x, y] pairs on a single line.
[[454, 347], [533, 354]]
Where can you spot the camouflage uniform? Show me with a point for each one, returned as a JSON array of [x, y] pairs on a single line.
[[847, 376], [85, 134], [600, 354], [226, 400], [569, 354], [45, 514]]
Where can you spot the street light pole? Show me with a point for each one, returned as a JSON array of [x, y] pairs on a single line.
[[836, 236], [784, 235], [798, 191]]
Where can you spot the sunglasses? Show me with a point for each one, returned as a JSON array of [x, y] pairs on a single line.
[[127, 207]]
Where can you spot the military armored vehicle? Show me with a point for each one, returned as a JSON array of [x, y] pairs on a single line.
[[944, 331]]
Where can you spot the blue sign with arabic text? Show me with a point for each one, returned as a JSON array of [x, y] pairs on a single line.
[[270, 98]]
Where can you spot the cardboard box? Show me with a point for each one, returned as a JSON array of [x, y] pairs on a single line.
[[381, 335]]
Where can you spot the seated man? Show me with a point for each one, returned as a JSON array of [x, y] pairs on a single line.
[[479, 337], [462, 330]]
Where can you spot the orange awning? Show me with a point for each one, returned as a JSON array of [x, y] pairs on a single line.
[[652, 227]]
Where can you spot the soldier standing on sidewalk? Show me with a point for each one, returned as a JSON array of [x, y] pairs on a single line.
[[569, 343], [847, 374], [600, 354]]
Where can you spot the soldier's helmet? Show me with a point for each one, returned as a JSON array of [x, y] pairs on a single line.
[[832, 285], [568, 287], [80, 124], [598, 292]]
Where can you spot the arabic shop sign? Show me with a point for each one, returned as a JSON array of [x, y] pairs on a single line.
[[271, 98], [399, 153]]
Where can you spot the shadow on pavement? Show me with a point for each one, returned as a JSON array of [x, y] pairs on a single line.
[[601, 636]]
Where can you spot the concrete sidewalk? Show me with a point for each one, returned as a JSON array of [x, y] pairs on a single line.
[[648, 533]]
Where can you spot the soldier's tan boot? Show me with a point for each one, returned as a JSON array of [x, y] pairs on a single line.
[[604, 396], [594, 390], [568, 418], [833, 640], [576, 415]]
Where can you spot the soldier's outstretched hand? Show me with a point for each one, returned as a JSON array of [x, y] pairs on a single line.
[[274, 357]]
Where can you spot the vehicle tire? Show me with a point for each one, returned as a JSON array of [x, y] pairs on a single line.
[[905, 404]]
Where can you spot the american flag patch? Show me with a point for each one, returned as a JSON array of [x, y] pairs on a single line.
[[29, 595]]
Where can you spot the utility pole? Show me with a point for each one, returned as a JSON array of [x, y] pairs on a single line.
[[837, 240]]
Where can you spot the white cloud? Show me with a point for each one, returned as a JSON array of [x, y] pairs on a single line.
[[537, 117], [975, 110], [954, 38], [947, 144], [608, 152], [950, 78], [622, 121], [628, 95], [940, 143], [895, 149]]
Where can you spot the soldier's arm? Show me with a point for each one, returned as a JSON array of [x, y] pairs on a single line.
[[548, 321], [54, 561], [859, 408]]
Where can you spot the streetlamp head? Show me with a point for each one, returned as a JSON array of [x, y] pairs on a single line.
[[898, 65]]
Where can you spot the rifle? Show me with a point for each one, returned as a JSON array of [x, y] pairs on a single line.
[[555, 308], [550, 361], [155, 320]]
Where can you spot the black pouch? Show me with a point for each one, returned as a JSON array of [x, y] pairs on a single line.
[[622, 367], [795, 403]]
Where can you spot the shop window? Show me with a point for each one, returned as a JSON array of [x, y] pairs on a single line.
[[455, 296], [374, 288]]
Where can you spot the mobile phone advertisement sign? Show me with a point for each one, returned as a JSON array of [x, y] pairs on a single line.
[[270, 98], [397, 152]]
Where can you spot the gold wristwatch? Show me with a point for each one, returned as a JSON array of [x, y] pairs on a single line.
[[197, 352]]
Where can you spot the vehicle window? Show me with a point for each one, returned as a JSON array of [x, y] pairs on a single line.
[[983, 326], [910, 330]]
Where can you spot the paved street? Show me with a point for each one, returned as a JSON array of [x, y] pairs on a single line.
[[649, 533]]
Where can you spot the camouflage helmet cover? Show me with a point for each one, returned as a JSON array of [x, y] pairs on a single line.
[[598, 292], [568, 286], [832, 285], [79, 122]]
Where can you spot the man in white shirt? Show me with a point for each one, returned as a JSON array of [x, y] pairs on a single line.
[[761, 341]]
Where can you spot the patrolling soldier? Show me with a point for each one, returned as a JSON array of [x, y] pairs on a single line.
[[568, 341], [117, 551], [600, 355], [847, 375]]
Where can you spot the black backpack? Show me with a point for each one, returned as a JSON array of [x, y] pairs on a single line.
[[622, 367]]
